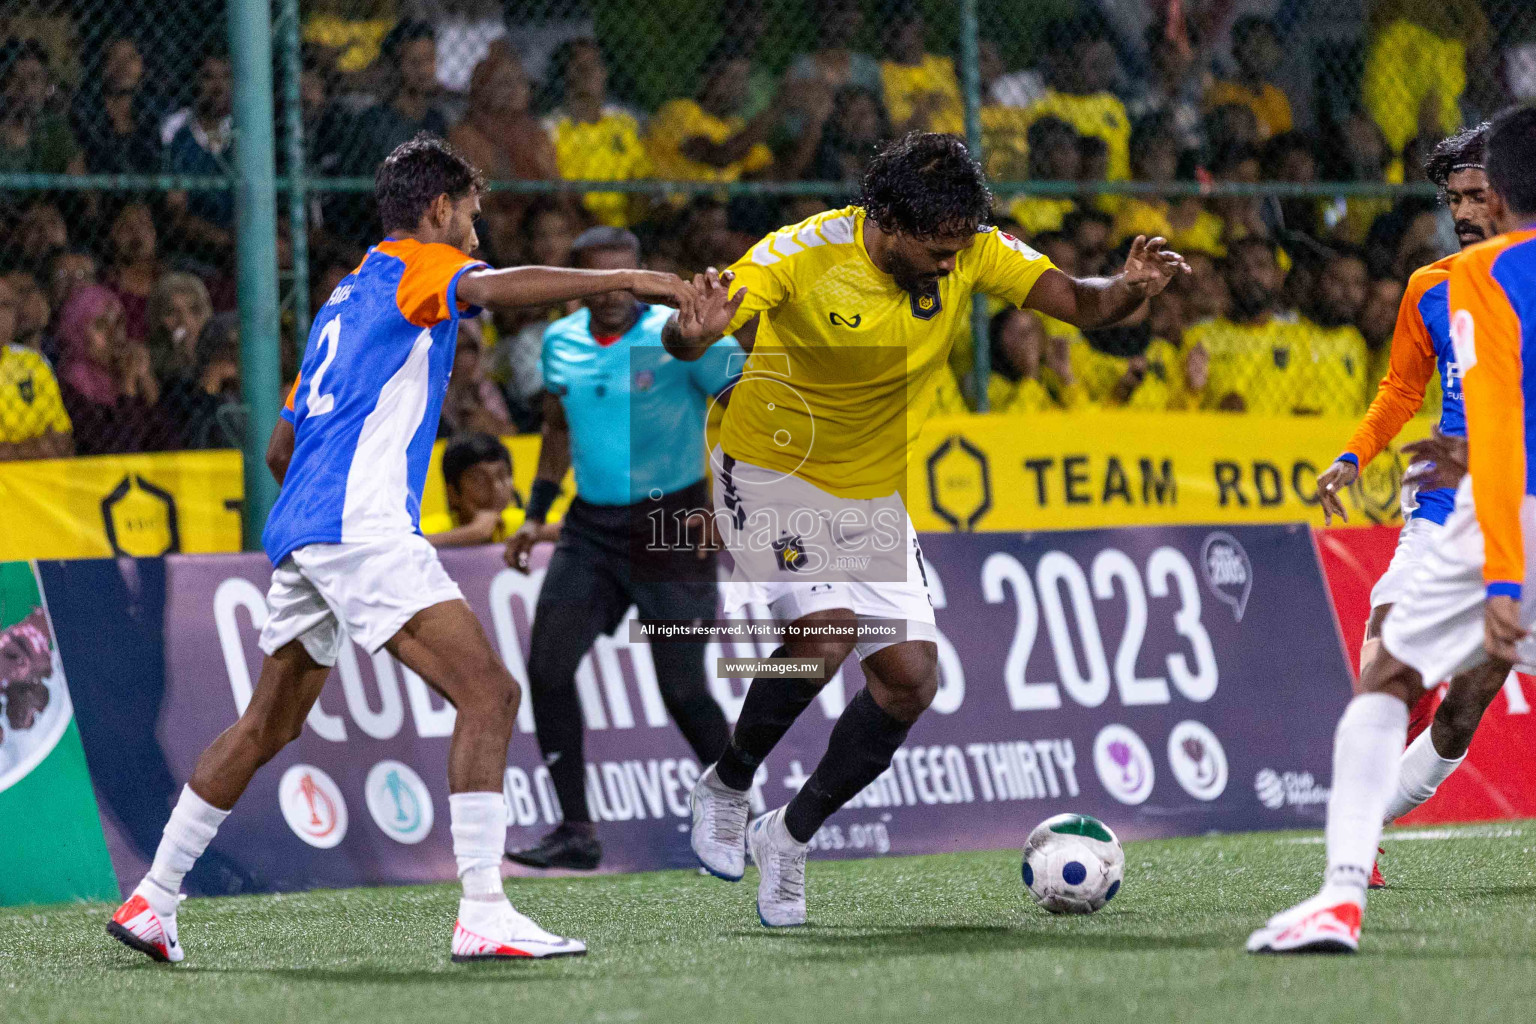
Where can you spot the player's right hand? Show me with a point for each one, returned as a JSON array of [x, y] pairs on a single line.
[[1501, 627], [518, 546], [664, 288], [1331, 484], [716, 308]]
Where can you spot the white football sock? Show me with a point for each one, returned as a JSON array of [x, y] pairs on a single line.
[[479, 826], [1420, 771], [1366, 747], [194, 822]]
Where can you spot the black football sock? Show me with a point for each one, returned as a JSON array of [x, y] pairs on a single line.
[[863, 742], [771, 707]]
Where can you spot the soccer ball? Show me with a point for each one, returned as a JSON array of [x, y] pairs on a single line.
[[1073, 864]]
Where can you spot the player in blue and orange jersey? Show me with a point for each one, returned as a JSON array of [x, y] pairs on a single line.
[[1421, 348], [345, 540], [1464, 608]]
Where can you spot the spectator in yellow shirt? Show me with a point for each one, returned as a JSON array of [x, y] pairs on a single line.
[[1256, 51], [594, 140], [1338, 364], [1053, 156], [1185, 222], [1127, 367], [1031, 370], [1080, 72], [483, 505], [33, 423], [1416, 65], [1252, 360], [707, 139], [921, 91]]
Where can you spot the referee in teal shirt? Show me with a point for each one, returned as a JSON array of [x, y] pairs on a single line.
[[630, 419]]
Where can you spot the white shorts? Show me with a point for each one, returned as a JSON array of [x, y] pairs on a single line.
[[323, 593], [1436, 625], [798, 550], [1416, 537]]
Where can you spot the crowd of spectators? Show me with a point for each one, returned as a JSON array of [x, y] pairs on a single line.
[[116, 325]]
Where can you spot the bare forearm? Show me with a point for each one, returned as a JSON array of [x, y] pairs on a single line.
[[538, 286], [723, 154], [554, 454], [1102, 301]]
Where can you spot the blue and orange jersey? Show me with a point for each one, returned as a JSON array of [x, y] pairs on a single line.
[[367, 401], [1421, 347], [1493, 323]]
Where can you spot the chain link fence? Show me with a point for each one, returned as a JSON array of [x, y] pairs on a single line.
[[1279, 143]]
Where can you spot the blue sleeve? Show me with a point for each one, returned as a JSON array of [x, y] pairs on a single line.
[[711, 372], [452, 292], [289, 415]]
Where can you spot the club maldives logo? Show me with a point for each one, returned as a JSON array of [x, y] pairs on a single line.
[[1124, 764], [1228, 572], [399, 802], [313, 806], [1288, 789], [1199, 764]]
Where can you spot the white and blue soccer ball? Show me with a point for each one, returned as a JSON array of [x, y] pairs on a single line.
[[1073, 864]]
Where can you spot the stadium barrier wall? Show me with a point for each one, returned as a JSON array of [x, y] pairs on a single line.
[[1171, 680], [969, 473], [1494, 782]]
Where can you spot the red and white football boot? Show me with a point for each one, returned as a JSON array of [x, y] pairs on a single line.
[[489, 930], [137, 926], [1378, 880], [1323, 924]]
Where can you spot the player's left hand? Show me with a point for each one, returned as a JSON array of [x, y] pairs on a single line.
[[1331, 485], [1151, 265], [712, 314], [1501, 627]]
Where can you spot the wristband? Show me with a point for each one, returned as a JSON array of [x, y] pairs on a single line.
[[542, 496]]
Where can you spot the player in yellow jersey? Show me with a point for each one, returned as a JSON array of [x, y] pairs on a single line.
[[849, 316]]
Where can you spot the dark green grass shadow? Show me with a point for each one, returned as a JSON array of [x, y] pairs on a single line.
[[856, 942]]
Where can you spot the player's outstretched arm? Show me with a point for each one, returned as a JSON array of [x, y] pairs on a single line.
[[1091, 302], [542, 286], [689, 332]]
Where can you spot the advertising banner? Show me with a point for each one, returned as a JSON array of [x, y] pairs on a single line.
[[52, 848], [1114, 468], [1494, 781], [106, 505], [1170, 681]]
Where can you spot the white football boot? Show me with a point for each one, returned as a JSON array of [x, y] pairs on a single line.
[[137, 926], [494, 930], [1326, 923], [719, 836], [780, 863]]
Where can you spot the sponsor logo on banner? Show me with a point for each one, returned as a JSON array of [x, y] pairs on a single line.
[[399, 802], [1228, 572], [1199, 764], [1288, 789], [1124, 764], [313, 806]]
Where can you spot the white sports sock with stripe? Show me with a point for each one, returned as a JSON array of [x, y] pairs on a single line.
[[1366, 747]]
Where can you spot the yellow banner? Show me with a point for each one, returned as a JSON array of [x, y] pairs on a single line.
[[1041, 472], [139, 505], [1104, 469]]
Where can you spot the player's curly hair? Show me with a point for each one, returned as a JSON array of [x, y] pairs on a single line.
[[926, 184], [1512, 158], [1459, 152], [416, 173]]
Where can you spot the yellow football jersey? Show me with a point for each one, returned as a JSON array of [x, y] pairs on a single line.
[[30, 403], [904, 83], [1161, 389], [841, 376], [1263, 365], [1337, 368], [608, 149]]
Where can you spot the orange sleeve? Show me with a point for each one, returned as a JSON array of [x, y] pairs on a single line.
[[431, 271], [1486, 332], [1410, 365], [288, 411]]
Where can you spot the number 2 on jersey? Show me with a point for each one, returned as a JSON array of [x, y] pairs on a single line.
[[330, 338]]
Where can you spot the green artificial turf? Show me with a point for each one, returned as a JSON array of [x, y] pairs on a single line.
[[922, 938]]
